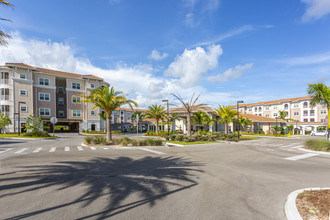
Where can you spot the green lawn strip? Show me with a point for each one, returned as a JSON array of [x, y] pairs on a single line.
[[251, 137], [21, 136], [190, 143]]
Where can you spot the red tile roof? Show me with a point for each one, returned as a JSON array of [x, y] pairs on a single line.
[[275, 101], [256, 118], [194, 109]]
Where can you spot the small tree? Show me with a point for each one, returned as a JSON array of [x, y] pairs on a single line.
[[4, 121], [34, 123]]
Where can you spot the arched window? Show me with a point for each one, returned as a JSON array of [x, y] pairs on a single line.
[[259, 109], [305, 105], [286, 106]]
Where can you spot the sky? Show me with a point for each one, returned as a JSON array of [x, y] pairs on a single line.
[[224, 50]]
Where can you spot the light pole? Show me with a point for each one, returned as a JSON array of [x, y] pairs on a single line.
[[19, 116], [168, 122], [238, 118]]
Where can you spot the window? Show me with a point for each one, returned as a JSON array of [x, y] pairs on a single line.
[[275, 107], [296, 113], [266, 108], [255, 109], [323, 111], [275, 114], [93, 112], [260, 109], [23, 109], [305, 105], [60, 113], [44, 111], [312, 120], [250, 109], [305, 120], [76, 113], [75, 85], [22, 76], [267, 115], [260, 114], [92, 85], [60, 88], [305, 113], [312, 113], [296, 105], [43, 81], [61, 101], [286, 106], [44, 96], [23, 92], [322, 120], [75, 99]]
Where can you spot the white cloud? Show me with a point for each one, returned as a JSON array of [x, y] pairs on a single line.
[[192, 64], [307, 60], [316, 9], [155, 55], [231, 73]]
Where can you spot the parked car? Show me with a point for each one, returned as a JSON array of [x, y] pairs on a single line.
[[319, 133]]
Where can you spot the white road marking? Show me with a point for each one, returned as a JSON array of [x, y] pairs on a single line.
[[52, 149], [105, 148], [80, 148], [8, 149], [93, 148], [21, 151], [151, 151], [67, 149], [299, 157], [37, 150], [290, 145], [299, 146]]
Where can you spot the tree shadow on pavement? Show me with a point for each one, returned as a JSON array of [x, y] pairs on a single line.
[[152, 178]]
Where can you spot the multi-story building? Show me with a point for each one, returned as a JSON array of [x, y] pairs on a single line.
[[303, 115], [48, 93]]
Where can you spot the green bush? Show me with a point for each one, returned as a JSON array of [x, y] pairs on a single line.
[[179, 138], [318, 145], [99, 140], [135, 142], [124, 142], [142, 143], [36, 134], [88, 139]]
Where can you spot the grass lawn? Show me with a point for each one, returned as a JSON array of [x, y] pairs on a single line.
[[196, 142], [21, 136], [251, 137]]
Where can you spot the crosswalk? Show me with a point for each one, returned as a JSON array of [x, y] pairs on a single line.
[[52, 149]]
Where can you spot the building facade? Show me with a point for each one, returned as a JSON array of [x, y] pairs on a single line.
[[25, 89]]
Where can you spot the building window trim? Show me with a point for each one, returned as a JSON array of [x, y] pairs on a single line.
[[93, 113], [44, 80], [75, 114], [23, 90], [43, 110], [22, 74], [26, 109], [75, 99], [44, 97], [75, 85], [60, 102]]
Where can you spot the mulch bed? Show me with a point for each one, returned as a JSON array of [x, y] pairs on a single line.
[[314, 205]]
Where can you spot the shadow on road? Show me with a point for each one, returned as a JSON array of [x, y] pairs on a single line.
[[10, 142], [152, 178]]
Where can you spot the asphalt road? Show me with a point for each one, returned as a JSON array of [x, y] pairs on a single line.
[[246, 180]]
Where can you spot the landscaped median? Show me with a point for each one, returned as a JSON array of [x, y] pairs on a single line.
[[309, 203], [125, 141], [317, 145], [28, 135]]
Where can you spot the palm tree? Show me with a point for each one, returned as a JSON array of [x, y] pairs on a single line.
[[188, 107], [137, 114], [3, 36], [226, 113], [157, 112], [107, 99], [207, 120], [320, 95], [198, 117]]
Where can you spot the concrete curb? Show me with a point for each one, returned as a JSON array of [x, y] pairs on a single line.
[[291, 210], [29, 139], [314, 151], [177, 145]]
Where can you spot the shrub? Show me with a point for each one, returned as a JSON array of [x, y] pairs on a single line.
[[179, 138], [158, 142], [99, 140], [37, 134], [142, 143], [135, 142], [318, 145], [88, 139], [124, 142]]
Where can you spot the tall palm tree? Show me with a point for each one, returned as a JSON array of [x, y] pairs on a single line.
[[157, 112], [320, 95], [198, 118], [3, 36], [207, 120], [107, 99], [137, 114], [188, 107], [226, 114]]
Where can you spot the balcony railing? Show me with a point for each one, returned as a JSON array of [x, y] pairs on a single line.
[[4, 97], [4, 81]]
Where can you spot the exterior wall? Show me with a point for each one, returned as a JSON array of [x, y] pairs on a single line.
[[71, 106], [62, 95], [45, 104]]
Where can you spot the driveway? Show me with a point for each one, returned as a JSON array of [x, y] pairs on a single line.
[[246, 180]]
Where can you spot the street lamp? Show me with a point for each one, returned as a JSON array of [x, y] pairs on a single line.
[[19, 122], [168, 122], [238, 118]]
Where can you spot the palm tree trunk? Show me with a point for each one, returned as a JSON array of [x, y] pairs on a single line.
[[157, 127], [109, 135], [226, 127], [189, 125], [328, 124]]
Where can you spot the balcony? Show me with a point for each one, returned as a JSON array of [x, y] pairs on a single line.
[[4, 97], [4, 81]]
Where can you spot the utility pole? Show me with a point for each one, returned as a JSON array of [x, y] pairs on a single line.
[[168, 122]]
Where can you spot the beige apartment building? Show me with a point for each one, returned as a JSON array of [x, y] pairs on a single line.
[[49, 93], [304, 116]]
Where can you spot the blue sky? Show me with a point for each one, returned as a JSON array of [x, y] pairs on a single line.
[[226, 50]]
